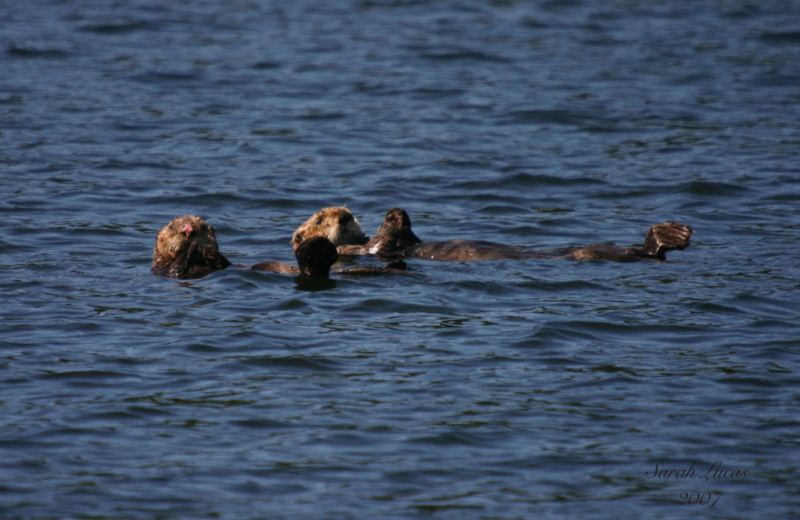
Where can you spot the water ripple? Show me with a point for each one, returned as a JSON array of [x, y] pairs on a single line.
[[498, 389]]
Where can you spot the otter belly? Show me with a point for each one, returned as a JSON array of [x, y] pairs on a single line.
[[468, 250], [607, 252]]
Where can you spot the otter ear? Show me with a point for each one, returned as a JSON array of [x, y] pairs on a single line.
[[344, 219], [297, 238]]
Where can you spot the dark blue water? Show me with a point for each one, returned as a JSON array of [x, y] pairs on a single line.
[[504, 389]]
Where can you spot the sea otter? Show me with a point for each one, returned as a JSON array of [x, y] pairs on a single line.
[[315, 257], [187, 248], [394, 240], [337, 224]]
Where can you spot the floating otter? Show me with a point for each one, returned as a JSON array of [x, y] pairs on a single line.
[[187, 248], [394, 240], [315, 257], [337, 224]]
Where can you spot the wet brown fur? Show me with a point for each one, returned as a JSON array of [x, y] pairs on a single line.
[[187, 248], [337, 224], [394, 240], [315, 257]]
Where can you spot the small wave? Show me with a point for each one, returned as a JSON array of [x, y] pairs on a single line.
[[321, 115], [775, 78], [314, 364], [259, 424], [529, 180], [554, 116], [463, 54], [792, 37], [167, 77], [462, 438], [752, 381], [715, 189], [119, 28], [434, 92], [24, 52], [265, 65], [568, 286], [119, 164], [87, 378]]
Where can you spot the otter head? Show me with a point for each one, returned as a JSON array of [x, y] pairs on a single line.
[[397, 219], [176, 237], [394, 236], [187, 247], [337, 224], [315, 256]]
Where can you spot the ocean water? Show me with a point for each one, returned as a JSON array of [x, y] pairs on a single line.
[[485, 390]]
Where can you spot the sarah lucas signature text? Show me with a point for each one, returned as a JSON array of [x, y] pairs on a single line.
[[710, 472]]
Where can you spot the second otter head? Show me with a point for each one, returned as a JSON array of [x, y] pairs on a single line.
[[394, 236], [396, 219], [337, 224]]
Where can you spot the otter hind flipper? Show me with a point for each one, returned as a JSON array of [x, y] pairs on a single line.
[[664, 237]]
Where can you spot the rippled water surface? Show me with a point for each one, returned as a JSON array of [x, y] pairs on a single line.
[[499, 389]]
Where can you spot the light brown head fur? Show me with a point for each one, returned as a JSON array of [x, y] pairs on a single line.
[[187, 248], [337, 224]]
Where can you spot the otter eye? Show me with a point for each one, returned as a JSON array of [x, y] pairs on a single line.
[[172, 227], [298, 238], [319, 221]]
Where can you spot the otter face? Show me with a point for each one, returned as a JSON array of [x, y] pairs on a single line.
[[187, 248], [176, 237], [337, 224], [395, 224], [397, 218]]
